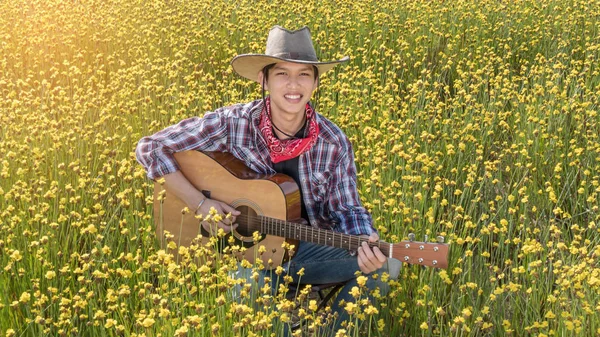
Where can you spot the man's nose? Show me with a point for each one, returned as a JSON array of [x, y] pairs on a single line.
[[293, 81]]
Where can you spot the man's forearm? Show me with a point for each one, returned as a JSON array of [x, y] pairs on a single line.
[[178, 185]]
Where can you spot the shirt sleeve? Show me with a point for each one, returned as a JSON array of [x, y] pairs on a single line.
[[344, 203], [155, 152]]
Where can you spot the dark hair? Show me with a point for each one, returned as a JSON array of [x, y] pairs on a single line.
[[266, 69]]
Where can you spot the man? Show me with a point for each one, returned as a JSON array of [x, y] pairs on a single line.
[[281, 133]]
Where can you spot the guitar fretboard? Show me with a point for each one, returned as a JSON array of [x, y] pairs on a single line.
[[290, 230]]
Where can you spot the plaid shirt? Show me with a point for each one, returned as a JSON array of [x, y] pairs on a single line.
[[327, 171]]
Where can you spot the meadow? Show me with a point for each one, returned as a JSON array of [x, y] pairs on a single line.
[[475, 120]]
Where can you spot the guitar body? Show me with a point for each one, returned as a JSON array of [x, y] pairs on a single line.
[[223, 177]]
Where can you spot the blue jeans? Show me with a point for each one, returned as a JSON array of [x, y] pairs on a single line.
[[323, 264]]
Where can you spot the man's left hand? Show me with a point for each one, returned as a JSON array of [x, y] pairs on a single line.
[[370, 259]]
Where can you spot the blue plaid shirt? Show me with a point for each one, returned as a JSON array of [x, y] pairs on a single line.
[[327, 171]]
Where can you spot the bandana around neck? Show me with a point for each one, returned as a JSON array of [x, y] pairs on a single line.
[[281, 150]]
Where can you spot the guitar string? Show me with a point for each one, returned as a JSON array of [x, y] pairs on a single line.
[[256, 223]]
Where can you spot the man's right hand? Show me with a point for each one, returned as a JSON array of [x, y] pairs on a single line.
[[178, 184], [227, 224]]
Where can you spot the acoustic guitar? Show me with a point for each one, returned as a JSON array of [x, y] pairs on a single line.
[[268, 205]]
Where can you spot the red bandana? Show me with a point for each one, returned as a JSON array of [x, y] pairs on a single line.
[[281, 150]]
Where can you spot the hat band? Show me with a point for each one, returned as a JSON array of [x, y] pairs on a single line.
[[296, 56]]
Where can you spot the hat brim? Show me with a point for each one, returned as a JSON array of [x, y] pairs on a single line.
[[249, 65]]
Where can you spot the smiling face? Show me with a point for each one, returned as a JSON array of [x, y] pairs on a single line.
[[290, 87]]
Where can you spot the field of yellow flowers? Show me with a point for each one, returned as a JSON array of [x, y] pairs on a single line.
[[477, 120]]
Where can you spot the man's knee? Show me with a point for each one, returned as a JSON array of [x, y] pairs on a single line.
[[392, 269]]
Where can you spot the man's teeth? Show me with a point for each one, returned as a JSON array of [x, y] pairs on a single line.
[[292, 96]]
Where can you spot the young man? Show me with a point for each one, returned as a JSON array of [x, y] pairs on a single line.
[[282, 133]]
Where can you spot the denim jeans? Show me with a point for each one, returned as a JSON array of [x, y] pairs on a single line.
[[323, 264]]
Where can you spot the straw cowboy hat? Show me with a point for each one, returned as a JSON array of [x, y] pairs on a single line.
[[283, 45]]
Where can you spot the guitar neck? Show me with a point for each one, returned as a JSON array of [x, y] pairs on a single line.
[[413, 252], [319, 236]]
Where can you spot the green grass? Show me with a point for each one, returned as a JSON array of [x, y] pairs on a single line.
[[474, 120]]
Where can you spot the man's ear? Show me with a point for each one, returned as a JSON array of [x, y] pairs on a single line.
[[262, 80], [315, 84]]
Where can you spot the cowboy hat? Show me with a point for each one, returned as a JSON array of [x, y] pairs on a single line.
[[283, 45]]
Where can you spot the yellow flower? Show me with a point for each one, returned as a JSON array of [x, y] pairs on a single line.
[[355, 292], [16, 256], [25, 297], [424, 326], [182, 331], [361, 280], [148, 322], [351, 307], [371, 310], [99, 314], [215, 328], [50, 274], [570, 326], [341, 333], [40, 320]]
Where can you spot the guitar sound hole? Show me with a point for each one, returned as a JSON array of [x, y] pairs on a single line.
[[248, 221]]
